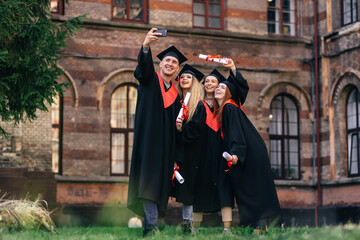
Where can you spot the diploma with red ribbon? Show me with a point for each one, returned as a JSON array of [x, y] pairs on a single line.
[[184, 108], [213, 58], [229, 159], [178, 176]]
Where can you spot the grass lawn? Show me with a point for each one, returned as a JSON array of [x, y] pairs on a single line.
[[347, 232]]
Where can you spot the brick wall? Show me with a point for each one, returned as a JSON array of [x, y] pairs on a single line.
[[29, 145], [36, 143], [10, 148], [99, 10]]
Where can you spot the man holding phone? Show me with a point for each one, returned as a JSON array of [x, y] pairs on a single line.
[[153, 153]]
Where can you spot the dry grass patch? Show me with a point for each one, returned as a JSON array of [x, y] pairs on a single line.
[[25, 214]]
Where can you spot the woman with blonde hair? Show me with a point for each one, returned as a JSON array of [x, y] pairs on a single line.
[[189, 140]]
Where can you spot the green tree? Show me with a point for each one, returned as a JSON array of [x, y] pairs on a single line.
[[30, 46]]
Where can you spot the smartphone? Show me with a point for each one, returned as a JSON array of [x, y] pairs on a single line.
[[162, 31]]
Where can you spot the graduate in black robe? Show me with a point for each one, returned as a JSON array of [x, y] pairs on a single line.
[[153, 153], [249, 178], [190, 140], [206, 199]]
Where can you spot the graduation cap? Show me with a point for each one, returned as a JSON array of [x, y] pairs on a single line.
[[218, 75], [191, 70], [173, 52]]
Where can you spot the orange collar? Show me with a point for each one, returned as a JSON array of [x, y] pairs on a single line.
[[211, 120], [168, 96]]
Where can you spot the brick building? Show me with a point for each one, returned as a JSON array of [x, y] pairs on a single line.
[[78, 154]]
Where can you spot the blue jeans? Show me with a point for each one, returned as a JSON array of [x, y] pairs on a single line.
[[151, 214], [187, 212]]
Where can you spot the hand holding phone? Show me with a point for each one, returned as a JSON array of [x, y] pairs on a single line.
[[162, 31]]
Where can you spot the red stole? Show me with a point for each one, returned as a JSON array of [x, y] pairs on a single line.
[[211, 120], [168, 96], [230, 101]]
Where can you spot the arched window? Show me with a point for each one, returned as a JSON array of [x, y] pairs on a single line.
[[353, 132], [56, 136], [123, 105], [281, 17], [284, 138]]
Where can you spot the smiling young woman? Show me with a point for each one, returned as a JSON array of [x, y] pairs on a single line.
[[190, 140]]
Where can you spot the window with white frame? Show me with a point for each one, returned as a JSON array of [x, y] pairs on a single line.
[[281, 17], [56, 136], [123, 105], [284, 138], [353, 132]]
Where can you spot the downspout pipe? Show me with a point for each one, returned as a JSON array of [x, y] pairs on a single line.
[[318, 156]]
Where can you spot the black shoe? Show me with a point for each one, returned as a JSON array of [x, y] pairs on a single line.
[[149, 232], [161, 224], [186, 226]]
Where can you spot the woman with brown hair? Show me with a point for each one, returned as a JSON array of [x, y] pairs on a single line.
[[247, 177]]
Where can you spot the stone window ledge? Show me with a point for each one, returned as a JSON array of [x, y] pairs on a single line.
[[92, 179], [293, 183], [324, 183], [343, 181], [192, 31], [343, 31]]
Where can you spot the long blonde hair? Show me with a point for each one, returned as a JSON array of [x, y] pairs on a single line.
[[197, 93]]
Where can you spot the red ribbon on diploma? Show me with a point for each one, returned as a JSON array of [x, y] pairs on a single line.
[[185, 109], [229, 163], [211, 57], [173, 176]]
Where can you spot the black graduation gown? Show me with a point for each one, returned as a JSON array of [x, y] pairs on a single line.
[[206, 186], [250, 180], [190, 142], [153, 153]]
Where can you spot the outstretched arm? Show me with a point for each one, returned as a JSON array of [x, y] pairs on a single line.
[[144, 72], [235, 73]]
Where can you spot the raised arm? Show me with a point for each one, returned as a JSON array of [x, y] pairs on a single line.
[[145, 71], [235, 73]]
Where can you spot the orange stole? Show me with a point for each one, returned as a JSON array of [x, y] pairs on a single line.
[[168, 96], [211, 120], [233, 102]]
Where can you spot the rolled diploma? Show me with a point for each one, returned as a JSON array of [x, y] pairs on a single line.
[[218, 60], [227, 156], [179, 177], [186, 101]]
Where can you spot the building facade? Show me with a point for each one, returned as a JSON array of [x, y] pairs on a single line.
[[84, 143]]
